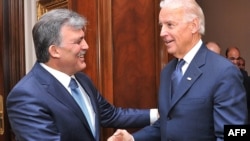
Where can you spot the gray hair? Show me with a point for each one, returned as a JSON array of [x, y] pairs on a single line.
[[47, 31], [192, 11]]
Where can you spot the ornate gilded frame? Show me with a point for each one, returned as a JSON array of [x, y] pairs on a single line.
[[44, 6]]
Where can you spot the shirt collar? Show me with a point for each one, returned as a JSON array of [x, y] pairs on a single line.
[[190, 55], [63, 78]]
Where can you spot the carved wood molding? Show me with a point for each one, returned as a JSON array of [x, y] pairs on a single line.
[[44, 6], [105, 48], [105, 51]]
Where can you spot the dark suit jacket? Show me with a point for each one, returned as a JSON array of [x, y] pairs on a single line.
[[210, 95], [40, 108], [246, 82]]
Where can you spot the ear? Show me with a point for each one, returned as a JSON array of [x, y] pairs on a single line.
[[195, 25], [54, 51]]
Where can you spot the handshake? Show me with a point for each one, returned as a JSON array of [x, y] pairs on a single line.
[[121, 135]]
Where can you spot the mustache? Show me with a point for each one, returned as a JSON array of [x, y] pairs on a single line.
[[81, 53]]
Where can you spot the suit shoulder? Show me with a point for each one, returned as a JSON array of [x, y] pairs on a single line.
[[220, 60], [82, 75], [167, 68]]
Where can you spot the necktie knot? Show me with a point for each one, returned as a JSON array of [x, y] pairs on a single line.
[[177, 75], [73, 84], [180, 64]]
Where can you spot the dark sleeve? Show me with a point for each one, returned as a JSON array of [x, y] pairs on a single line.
[[115, 117], [246, 83], [149, 133]]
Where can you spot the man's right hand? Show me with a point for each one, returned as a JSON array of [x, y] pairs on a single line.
[[121, 135]]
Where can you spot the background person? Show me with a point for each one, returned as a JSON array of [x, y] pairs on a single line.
[[213, 46], [233, 54], [242, 63]]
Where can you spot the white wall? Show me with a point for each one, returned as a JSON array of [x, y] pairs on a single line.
[[227, 22], [29, 21]]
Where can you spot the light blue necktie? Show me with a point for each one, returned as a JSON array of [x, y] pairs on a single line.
[[177, 75], [77, 95]]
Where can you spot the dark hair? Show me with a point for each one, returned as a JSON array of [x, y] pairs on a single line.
[[230, 48]]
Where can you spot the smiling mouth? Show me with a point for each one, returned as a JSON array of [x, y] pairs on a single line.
[[169, 41], [81, 54]]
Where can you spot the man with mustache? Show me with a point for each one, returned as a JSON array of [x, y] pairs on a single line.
[[56, 101]]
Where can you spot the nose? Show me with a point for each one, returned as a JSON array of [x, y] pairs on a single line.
[[163, 31], [84, 44]]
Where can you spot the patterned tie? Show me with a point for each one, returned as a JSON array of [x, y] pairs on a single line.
[[77, 95], [177, 75]]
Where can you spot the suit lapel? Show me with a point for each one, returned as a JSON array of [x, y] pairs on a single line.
[[188, 79], [192, 73], [172, 69], [58, 91], [61, 94]]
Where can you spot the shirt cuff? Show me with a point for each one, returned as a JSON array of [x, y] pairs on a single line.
[[154, 115]]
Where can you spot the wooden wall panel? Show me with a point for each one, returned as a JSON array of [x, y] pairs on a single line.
[[2, 135], [136, 53], [88, 8], [135, 56]]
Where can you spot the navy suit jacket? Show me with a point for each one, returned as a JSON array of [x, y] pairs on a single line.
[[211, 94], [40, 108]]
